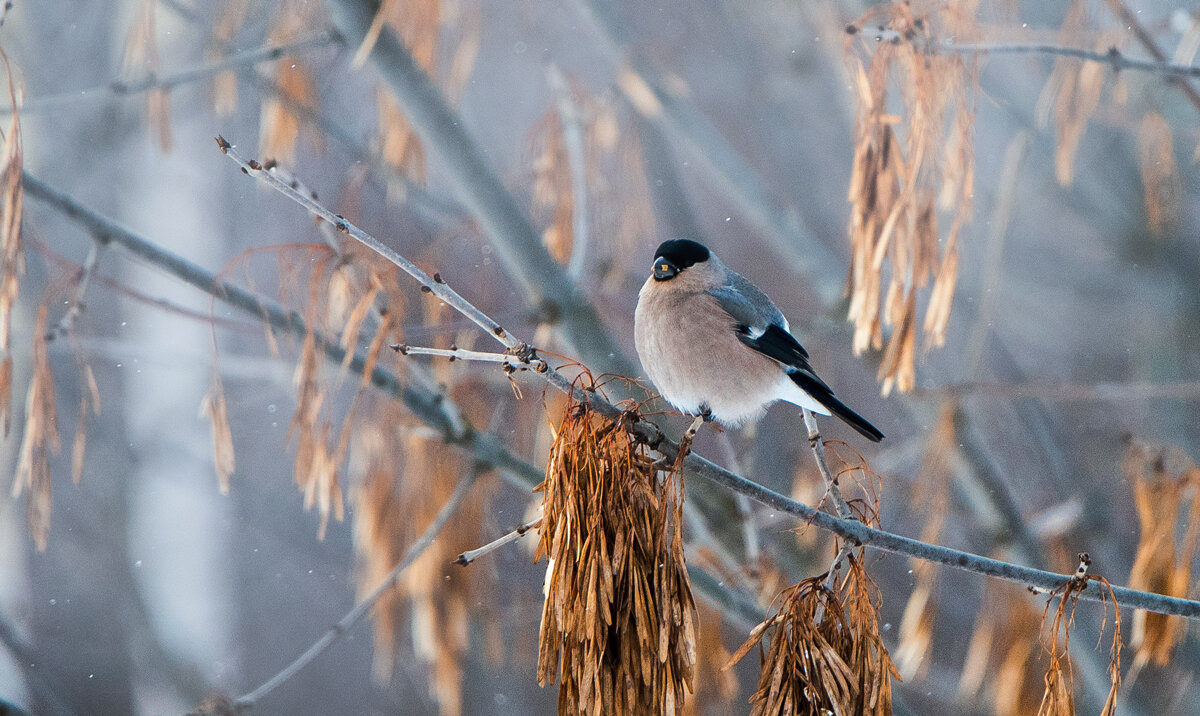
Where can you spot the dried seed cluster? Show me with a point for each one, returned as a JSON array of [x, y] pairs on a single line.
[[825, 655], [619, 625], [911, 171]]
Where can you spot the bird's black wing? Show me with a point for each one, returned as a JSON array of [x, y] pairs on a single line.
[[777, 343], [762, 327]]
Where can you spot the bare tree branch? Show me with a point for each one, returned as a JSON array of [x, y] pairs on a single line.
[[544, 283], [434, 409], [1113, 57], [1139, 31], [204, 71], [471, 555], [650, 434], [431, 407], [707, 149], [337, 631]]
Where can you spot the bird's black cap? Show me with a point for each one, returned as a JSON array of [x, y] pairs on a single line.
[[682, 252]]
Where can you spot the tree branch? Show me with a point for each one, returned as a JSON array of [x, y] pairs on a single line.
[[1139, 31], [120, 88], [337, 631], [709, 151], [1113, 57], [544, 283], [430, 407], [650, 434]]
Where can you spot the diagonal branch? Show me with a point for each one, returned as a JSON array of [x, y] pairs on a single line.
[[430, 407], [1112, 57], [119, 88], [849, 529], [1130, 20], [544, 283], [433, 408], [355, 615]]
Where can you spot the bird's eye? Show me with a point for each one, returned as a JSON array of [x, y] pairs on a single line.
[[664, 270]]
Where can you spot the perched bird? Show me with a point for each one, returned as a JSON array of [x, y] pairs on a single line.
[[717, 347]]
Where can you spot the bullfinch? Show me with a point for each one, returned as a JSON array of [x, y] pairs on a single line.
[[717, 347]]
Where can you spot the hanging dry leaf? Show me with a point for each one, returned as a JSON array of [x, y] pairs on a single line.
[[283, 113], [214, 408], [1160, 176], [826, 655], [1163, 481], [229, 18], [1058, 696], [619, 624], [141, 63], [909, 171], [12, 254], [32, 476]]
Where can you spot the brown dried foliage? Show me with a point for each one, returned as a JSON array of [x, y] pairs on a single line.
[[619, 625], [407, 474], [317, 462], [1160, 175], [1164, 481], [554, 190], [1072, 93], [932, 492], [825, 654], [1058, 697], [141, 61], [281, 123], [910, 171], [552, 187], [229, 18], [40, 439], [215, 409], [89, 401], [399, 145], [1002, 637], [419, 24], [407, 477], [12, 254]]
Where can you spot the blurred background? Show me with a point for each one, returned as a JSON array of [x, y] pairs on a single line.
[[555, 144]]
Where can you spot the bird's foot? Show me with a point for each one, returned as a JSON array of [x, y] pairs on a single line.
[[685, 444]]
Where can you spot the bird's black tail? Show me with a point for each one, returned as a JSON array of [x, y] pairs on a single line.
[[823, 395]]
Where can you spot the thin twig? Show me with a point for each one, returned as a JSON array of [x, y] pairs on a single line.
[[67, 322], [846, 528], [542, 281], [744, 507], [831, 485], [1147, 41], [435, 284], [337, 631], [458, 354], [432, 408], [843, 553], [432, 284], [1112, 57], [121, 88], [471, 555]]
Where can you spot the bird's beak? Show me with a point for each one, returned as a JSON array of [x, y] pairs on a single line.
[[663, 269]]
